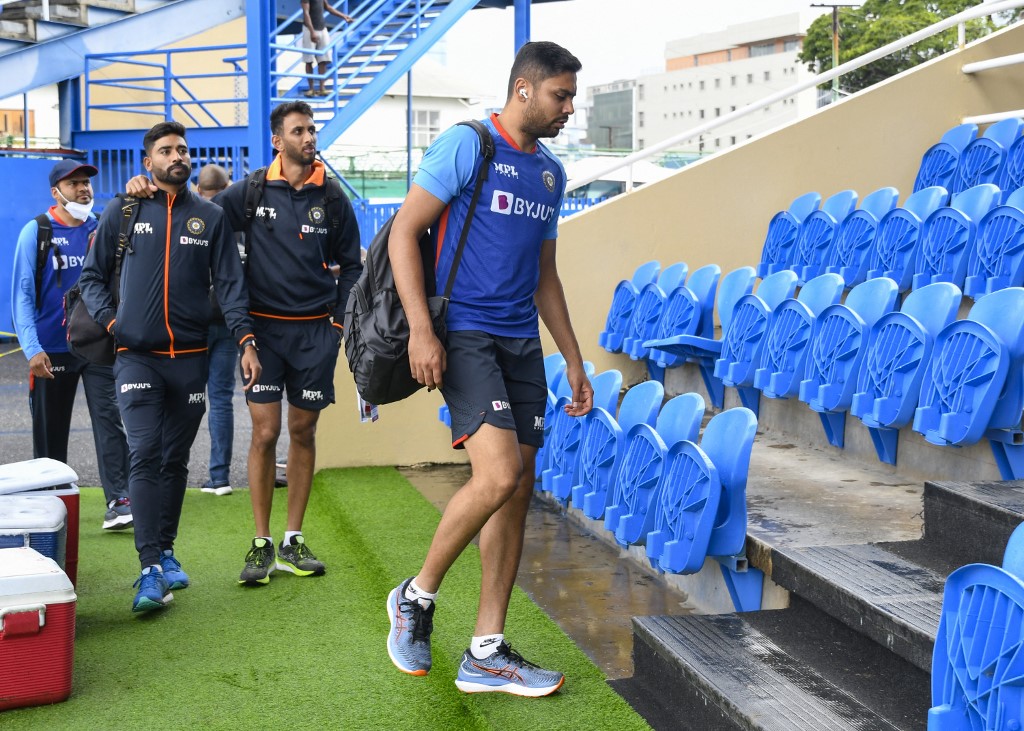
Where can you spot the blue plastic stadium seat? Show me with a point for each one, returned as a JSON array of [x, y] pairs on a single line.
[[975, 666], [568, 432], [705, 349], [813, 247], [650, 305], [947, 237], [559, 394], [603, 444], [803, 205], [938, 165], [852, 247], [680, 418], [784, 356], [688, 311], [837, 352], [742, 344], [623, 301], [672, 276], [779, 242], [702, 505], [894, 253], [898, 350], [1013, 168], [982, 161], [963, 389], [998, 260]]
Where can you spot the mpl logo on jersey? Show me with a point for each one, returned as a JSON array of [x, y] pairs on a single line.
[[509, 171], [59, 240], [143, 228], [312, 395], [266, 212], [199, 397], [507, 204], [67, 262]]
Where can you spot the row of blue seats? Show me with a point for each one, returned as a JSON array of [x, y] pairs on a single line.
[[972, 239], [962, 160], [646, 476]]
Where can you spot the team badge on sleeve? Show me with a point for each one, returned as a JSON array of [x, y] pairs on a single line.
[[549, 180]]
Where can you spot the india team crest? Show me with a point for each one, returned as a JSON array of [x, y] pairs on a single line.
[[549, 180], [316, 214], [195, 226]]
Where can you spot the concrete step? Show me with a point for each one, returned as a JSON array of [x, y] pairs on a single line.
[[793, 669], [877, 592], [971, 521]]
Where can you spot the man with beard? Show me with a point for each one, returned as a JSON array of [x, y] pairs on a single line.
[[490, 369], [42, 276], [159, 318], [303, 225]]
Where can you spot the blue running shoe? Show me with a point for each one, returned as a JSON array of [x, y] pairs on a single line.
[[154, 593], [505, 671], [409, 638], [173, 574]]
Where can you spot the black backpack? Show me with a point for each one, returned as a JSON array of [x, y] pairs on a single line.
[[376, 328], [44, 245], [87, 338]]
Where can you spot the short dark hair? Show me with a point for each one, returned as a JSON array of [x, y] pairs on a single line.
[[541, 60], [160, 130], [283, 110]]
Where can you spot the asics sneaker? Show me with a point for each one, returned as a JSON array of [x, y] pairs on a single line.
[[174, 575], [154, 593], [297, 558], [409, 638], [505, 671], [118, 515], [259, 563], [216, 488]]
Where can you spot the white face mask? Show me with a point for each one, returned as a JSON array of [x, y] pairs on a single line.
[[80, 211]]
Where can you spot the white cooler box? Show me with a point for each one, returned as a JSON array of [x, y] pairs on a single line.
[[36, 521], [48, 477], [37, 630]]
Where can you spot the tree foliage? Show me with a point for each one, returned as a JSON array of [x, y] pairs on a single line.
[[877, 23]]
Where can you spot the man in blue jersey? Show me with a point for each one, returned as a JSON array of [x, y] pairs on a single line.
[[41, 278], [490, 369]]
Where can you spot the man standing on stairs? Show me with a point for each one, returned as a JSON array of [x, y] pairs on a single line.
[[316, 38], [490, 369], [48, 261]]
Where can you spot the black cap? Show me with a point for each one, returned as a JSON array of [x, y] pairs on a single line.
[[67, 168]]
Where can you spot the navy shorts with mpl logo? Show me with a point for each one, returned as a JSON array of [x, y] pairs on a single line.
[[497, 380], [297, 356]]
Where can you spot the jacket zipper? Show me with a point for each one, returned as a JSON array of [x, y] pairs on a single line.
[[167, 275]]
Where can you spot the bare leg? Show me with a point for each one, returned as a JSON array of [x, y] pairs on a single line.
[[301, 459], [497, 467], [501, 548], [266, 428], [322, 70]]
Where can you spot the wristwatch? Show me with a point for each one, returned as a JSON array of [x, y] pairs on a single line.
[[250, 342]]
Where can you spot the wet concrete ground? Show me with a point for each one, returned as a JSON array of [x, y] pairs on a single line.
[[582, 583]]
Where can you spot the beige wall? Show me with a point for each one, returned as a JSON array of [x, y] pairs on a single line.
[[715, 211]]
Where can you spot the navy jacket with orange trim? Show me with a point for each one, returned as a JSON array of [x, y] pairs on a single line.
[[179, 245], [293, 246]]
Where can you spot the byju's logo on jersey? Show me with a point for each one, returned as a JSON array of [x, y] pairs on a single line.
[[500, 405], [126, 387], [266, 388], [143, 228], [506, 204], [67, 262]]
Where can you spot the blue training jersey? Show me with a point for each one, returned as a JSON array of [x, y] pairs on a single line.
[[517, 211], [43, 330]]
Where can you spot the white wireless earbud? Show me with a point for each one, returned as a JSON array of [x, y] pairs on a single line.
[[522, 93]]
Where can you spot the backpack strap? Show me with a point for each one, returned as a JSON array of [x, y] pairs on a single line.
[[486, 152], [129, 212], [44, 244], [254, 183]]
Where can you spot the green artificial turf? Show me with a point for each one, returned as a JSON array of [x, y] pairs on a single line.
[[303, 653]]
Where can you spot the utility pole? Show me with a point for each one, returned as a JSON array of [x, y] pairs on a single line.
[[835, 40]]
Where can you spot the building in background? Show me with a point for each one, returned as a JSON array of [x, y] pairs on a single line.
[[707, 76]]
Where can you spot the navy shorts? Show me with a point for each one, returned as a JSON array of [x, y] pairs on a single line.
[[496, 380], [297, 356]]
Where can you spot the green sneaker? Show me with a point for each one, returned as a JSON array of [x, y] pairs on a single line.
[[259, 563], [297, 558]]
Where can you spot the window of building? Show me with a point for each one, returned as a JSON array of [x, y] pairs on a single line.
[[767, 75], [732, 139], [426, 127], [732, 81], [793, 45], [702, 86], [702, 114], [640, 142], [750, 78], [640, 119], [732, 108], [762, 49], [675, 87], [718, 83], [718, 142], [718, 111]]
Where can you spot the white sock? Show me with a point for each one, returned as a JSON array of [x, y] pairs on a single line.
[[414, 593], [485, 645], [288, 536]]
